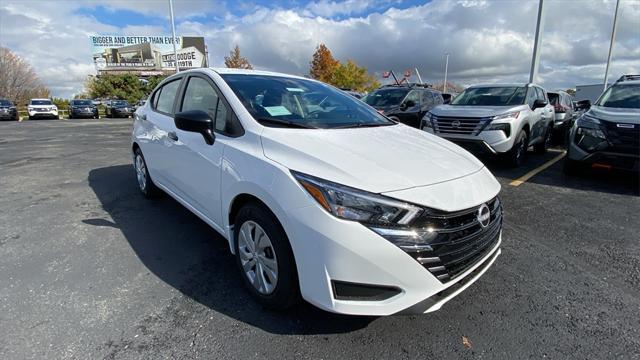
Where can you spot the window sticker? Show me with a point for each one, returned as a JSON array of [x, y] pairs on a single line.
[[277, 110]]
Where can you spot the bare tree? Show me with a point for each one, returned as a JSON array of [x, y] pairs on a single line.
[[18, 81], [235, 60]]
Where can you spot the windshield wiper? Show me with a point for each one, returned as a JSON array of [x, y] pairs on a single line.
[[361, 125], [286, 123]]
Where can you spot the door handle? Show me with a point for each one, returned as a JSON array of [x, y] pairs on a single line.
[[172, 135]]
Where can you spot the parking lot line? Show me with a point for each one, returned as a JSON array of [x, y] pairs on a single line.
[[521, 180]]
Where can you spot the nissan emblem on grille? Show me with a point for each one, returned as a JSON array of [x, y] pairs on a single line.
[[455, 123], [484, 215]]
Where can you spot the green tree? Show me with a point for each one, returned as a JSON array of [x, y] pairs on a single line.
[[237, 61], [122, 86], [323, 65], [60, 103], [351, 76]]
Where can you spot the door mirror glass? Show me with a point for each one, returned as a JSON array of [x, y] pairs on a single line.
[[539, 103], [196, 121]]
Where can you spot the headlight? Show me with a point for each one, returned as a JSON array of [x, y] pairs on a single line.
[[511, 115], [387, 217], [588, 121], [505, 127], [352, 204], [426, 120]]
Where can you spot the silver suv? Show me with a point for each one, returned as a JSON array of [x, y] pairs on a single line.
[[499, 119]]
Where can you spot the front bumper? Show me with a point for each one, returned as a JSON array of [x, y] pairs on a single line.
[[120, 112], [10, 115], [607, 157], [84, 112], [487, 142], [43, 113], [329, 249]]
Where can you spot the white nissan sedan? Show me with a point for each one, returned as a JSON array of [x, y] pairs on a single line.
[[319, 195]]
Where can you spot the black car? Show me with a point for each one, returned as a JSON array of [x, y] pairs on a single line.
[[8, 110], [404, 103], [119, 108], [81, 108]]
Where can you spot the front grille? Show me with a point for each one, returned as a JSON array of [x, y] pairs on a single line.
[[459, 125], [461, 241], [623, 140]]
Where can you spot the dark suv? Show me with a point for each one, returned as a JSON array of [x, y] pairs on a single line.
[[8, 110], [404, 103], [81, 108], [119, 108], [608, 135]]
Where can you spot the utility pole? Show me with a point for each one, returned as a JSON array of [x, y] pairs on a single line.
[[613, 38], [446, 70], [173, 33], [535, 61]]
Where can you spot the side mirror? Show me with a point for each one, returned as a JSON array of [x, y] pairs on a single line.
[[583, 105], [540, 104], [196, 121]]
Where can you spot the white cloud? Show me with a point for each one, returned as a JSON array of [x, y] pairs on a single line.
[[488, 41]]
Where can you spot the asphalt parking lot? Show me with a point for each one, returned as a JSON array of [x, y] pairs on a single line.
[[91, 270]]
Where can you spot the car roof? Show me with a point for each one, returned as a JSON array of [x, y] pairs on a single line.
[[224, 71], [40, 99], [503, 85]]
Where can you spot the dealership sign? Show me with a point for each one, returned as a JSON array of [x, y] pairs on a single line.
[[146, 53]]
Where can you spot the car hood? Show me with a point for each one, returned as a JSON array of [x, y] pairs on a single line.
[[375, 159], [473, 111], [623, 115]]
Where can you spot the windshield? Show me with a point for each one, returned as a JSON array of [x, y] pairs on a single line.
[[386, 97], [41, 102], [621, 96], [283, 101], [119, 103], [491, 96], [81, 102], [5, 103]]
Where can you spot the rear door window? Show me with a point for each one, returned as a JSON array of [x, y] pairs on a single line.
[[167, 97]]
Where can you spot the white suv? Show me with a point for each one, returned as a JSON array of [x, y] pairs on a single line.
[[498, 119], [42, 108], [317, 193]]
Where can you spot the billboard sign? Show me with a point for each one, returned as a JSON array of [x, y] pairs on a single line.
[[146, 53]]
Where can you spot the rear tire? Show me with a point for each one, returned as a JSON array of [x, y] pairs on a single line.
[[517, 154], [543, 146], [145, 184], [265, 259]]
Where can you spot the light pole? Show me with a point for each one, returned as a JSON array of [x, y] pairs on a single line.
[[173, 33], [613, 38], [446, 69], [536, 45]]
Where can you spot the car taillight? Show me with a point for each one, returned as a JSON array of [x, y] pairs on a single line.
[[559, 108]]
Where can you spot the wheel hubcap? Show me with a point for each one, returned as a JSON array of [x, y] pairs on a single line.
[[257, 257], [141, 172]]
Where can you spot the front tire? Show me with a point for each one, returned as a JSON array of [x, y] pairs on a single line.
[[517, 154], [265, 258], [145, 184]]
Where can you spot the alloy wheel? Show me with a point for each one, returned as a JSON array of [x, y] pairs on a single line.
[[141, 172], [257, 257]]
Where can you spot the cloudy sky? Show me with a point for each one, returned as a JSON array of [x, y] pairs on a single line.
[[489, 41]]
